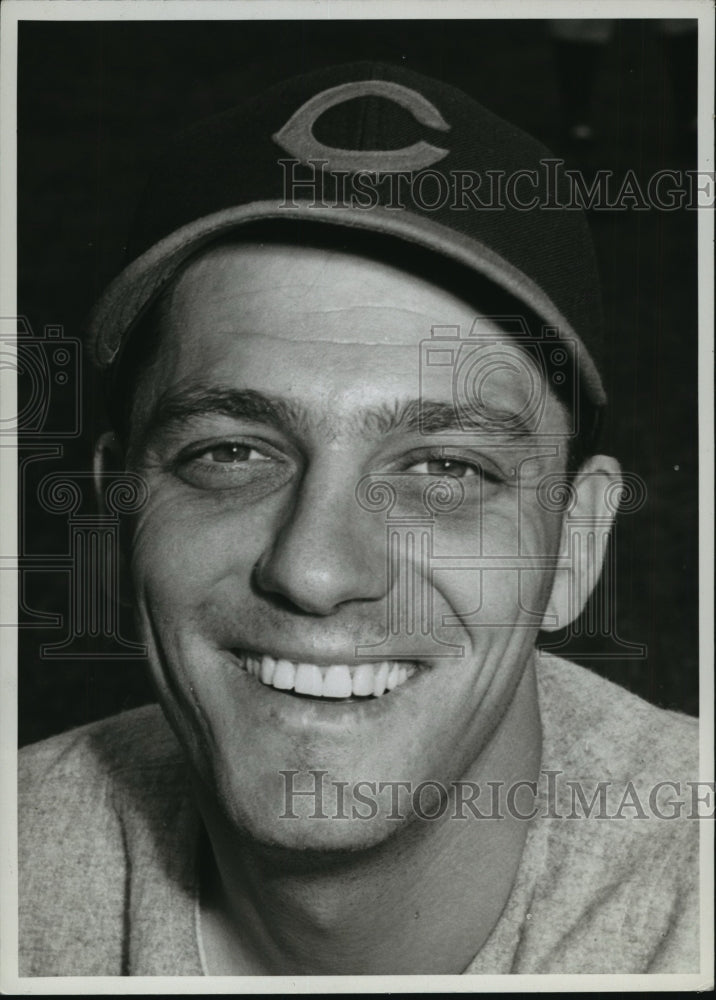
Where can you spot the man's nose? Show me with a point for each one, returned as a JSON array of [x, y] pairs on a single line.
[[327, 552]]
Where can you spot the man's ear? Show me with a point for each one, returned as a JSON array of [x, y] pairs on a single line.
[[586, 525], [108, 460]]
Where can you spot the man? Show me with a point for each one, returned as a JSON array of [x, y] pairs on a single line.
[[360, 381]]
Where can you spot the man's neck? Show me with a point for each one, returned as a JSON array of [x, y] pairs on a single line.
[[424, 902]]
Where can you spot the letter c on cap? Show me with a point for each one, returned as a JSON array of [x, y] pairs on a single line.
[[297, 137]]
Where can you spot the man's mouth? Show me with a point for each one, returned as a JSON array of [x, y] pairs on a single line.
[[362, 680]]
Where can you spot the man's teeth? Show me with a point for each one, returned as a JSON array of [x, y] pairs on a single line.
[[339, 681]]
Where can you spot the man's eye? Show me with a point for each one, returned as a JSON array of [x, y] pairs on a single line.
[[445, 467], [230, 452], [230, 465]]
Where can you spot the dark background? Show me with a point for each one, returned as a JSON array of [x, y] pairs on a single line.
[[96, 101]]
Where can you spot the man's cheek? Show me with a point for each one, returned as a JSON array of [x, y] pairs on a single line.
[[483, 567], [485, 530], [176, 545]]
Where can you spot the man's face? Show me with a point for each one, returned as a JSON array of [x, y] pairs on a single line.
[[284, 378]]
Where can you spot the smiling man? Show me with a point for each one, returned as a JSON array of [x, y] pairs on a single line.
[[365, 409]]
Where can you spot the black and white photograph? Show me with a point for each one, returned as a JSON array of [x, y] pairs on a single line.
[[356, 559]]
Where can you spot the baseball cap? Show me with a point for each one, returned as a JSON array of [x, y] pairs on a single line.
[[369, 147]]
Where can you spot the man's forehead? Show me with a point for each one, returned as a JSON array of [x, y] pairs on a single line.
[[310, 293], [319, 327]]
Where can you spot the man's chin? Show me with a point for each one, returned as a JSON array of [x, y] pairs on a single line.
[[318, 840], [335, 824]]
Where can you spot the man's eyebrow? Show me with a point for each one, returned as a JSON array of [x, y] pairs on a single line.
[[429, 416], [408, 416], [180, 405]]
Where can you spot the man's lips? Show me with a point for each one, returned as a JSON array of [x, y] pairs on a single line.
[[339, 680]]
